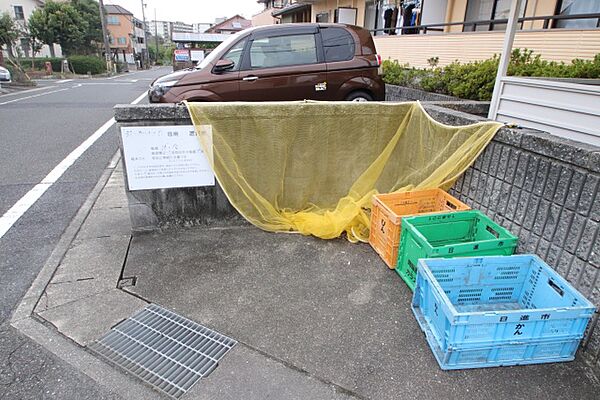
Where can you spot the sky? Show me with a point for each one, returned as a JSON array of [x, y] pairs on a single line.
[[190, 11]]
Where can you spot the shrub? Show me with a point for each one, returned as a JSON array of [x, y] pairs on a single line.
[[85, 64], [403, 75], [40, 63], [475, 80]]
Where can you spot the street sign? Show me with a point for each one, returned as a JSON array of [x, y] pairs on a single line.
[[160, 157], [182, 55]]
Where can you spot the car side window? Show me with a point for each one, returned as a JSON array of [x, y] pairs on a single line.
[[279, 51], [235, 54], [338, 44]]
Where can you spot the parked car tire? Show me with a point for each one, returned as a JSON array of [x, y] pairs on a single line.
[[359, 96]]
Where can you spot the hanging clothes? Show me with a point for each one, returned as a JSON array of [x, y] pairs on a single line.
[[387, 18], [394, 21]]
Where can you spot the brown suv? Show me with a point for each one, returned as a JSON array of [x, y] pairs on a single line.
[[281, 62]]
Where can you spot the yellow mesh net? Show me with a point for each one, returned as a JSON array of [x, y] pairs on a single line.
[[313, 167]]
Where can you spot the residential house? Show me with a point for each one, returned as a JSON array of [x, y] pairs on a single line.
[[126, 38], [139, 37], [545, 30], [293, 11], [403, 28], [230, 25], [20, 10], [265, 17]]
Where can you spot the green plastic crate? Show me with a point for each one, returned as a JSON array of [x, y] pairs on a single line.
[[455, 234]]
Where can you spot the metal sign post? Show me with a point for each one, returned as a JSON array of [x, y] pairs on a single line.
[[509, 37]]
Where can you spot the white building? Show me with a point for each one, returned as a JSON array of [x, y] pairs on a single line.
[[179, 26], [139, 42], [201, 27], [160, 28], [20, 10]]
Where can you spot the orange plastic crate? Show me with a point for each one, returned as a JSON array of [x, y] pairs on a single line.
[[388, 210]]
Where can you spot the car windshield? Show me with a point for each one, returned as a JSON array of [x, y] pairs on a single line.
[[215, 53]]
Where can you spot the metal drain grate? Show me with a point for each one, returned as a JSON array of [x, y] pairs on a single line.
[[166, 350]]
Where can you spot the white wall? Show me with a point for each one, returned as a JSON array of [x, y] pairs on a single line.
[[28, 7]]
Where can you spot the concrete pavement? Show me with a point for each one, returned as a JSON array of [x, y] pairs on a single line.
[[313, 319]]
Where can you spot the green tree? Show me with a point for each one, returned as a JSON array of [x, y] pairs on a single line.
[[92, 35], [9, 32], [58, 23]]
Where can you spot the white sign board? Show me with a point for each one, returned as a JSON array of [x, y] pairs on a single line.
[[197, 55], [159, 157]]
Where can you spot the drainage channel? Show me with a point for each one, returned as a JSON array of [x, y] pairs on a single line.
[[164, 349]]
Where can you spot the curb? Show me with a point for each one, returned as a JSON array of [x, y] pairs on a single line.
[[24, 321]]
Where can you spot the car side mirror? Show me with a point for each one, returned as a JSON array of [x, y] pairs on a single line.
[[223, 65]]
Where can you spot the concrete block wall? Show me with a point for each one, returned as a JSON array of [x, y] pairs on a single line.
[[403, 93], [160, 208], [543, 188]]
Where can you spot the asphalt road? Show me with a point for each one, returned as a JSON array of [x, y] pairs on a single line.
[[38, 129]]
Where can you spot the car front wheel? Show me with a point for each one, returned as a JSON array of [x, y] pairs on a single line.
[[359, 96]]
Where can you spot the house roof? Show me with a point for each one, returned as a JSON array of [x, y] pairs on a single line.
[[116, 9], [289, 9], [227, 25]]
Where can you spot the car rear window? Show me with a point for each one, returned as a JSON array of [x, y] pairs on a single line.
[[338, 44], [279, 51]]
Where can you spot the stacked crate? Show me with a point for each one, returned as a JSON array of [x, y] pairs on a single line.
[[477, 303]]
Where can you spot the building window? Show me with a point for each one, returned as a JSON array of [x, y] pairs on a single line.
[[19, 14], [573, 7], [122, 40], [140, 40], [25, 44], [322, 17], [482, 10], [111, 40], [112, 20]]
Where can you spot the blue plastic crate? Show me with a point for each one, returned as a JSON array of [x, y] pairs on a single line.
[[498, 310]]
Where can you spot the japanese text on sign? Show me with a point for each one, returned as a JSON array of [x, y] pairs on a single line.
[[158, 157]]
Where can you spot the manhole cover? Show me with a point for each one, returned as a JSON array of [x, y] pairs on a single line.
[[166, 350]]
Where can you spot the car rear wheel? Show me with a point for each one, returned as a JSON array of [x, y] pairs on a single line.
[[359, 96]]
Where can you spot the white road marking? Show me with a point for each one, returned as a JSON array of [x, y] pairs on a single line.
[[27, 91], [24, 203], [107, 83], [127, 74], [32, 96], [64, 81]]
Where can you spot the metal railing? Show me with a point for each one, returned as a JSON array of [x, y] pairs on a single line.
[[472, 25]]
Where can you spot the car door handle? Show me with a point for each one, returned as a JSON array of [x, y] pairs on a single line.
[[250, 78]]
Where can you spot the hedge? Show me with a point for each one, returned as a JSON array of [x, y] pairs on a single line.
[[40, 63], [85, 64], [475, 80]]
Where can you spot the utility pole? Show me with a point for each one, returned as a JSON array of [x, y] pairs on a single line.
[[156, 34], [105, 36], [145, 53]]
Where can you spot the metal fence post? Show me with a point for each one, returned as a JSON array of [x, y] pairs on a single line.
[[509, 38]]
